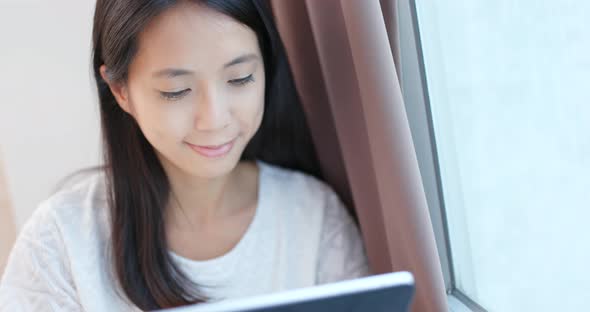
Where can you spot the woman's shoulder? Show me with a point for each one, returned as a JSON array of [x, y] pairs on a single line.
[[72, 219], [295, 183], [316, 193], [314, 206], [75, 210], [57, 245], [306, 195], [86, 193]]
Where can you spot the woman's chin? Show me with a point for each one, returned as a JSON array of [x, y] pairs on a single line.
[[214, 169]]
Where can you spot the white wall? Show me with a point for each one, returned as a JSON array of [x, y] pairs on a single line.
[[48, 108], [7, 229]]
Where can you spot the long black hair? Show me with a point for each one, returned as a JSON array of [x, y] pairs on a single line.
[[138, 188]]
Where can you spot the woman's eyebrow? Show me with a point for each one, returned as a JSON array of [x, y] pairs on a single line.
[[176, 72], [172, 73], [242, 59]]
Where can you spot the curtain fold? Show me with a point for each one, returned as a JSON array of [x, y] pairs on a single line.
[[343, 55]]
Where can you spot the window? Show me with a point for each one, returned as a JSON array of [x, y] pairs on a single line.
[[496, 93]]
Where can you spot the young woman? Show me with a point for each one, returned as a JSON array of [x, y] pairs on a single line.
[[211, 189]]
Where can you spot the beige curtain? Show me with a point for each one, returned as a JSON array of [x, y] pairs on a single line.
[[7, 227], [344, 55]]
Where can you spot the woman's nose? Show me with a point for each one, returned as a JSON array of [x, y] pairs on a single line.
[[211, 112]]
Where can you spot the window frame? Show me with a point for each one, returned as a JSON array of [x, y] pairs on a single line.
[[417, 101]]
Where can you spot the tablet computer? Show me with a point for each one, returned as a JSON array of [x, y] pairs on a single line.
[[391, 292]]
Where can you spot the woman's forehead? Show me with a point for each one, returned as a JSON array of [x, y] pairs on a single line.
[[192, 35]]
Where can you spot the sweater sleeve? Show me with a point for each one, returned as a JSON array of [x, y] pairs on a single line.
[[37, 276], [342, 254]]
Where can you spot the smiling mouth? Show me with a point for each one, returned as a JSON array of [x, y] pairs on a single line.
[[213, 151]]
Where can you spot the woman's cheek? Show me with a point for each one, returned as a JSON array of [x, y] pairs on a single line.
[[258, 119], [258, 112], [249, 109], [178, 121], [169, 124]]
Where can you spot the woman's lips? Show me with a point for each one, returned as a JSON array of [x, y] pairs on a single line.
[[213, 151]]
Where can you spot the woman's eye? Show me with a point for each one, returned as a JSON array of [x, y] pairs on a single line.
[[174, 95], [242, 81]]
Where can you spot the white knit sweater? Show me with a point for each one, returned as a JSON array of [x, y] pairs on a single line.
[[301, 235]]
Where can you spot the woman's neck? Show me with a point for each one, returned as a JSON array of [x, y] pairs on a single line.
[[196, 202]]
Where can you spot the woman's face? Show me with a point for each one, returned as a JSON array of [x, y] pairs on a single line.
[[196, 89]]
